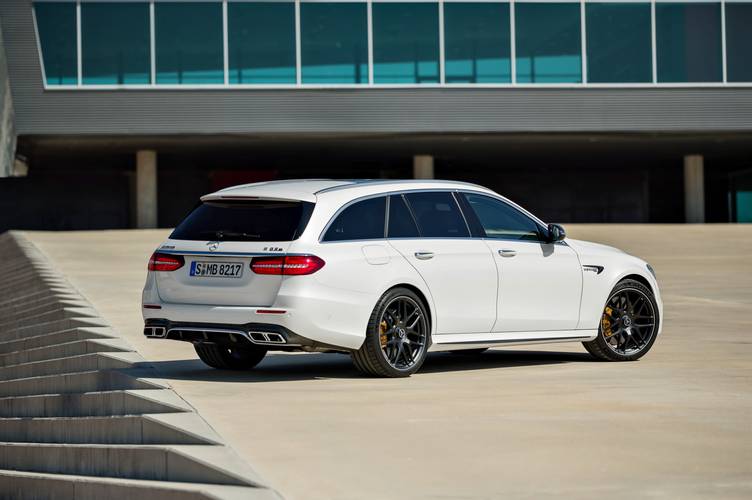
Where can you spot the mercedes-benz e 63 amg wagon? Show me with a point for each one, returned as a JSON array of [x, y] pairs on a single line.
[[388, 271]]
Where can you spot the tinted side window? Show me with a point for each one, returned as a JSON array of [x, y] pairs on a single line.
[[502, 221], [401, 223], [438, 215], [363, 220]]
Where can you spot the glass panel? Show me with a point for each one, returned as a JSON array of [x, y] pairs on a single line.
[[619, 46], [189, 42], [406, 42], [244, 221], [115, 45], [334, 42], [261, 39], [476, 43], [401, 223], [688, 42], [739, 42], [56, 23], [548, 42], [438, 215], [501, 221], [363, 220]]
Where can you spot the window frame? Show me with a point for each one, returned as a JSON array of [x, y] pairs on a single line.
[[584, 84]]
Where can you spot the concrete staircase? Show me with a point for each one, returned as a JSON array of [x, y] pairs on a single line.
[[81, 414]]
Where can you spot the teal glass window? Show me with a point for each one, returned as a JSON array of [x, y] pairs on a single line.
[[405, 42], [739, 42], [334, 42], [189, 42], [115, 45], [56, 23], [476, 43], [548, 42], [619, 43], [261, 39], [688, 42]]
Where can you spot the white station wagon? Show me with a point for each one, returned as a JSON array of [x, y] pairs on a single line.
[[387, 271]]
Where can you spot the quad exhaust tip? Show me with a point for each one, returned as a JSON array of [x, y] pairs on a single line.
[[155, 332], [266, 338]]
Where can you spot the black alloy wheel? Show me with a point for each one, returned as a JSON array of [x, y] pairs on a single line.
[[628, 325], [397, 338]]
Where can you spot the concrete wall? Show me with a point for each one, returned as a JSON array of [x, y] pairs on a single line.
[[355, 110], [7, 125]]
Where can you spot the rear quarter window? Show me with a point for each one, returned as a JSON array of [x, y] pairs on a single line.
[[363, 220], [241, 220]]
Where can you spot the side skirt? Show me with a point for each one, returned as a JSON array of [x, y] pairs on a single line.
[[452, 342]]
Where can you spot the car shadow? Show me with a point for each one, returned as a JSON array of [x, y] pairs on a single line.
[[312, 366]]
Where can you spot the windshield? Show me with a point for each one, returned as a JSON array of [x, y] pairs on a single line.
[[245, 220]]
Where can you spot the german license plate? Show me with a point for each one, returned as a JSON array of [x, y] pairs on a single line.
[[201, 269]]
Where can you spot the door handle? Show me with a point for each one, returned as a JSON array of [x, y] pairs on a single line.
[[507, 253], [424, 255]]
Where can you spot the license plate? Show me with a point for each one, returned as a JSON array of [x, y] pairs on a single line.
[[216, 269]]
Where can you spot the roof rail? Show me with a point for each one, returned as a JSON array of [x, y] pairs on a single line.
[[358, 182]]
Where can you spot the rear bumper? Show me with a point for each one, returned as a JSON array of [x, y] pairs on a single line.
[[270, 336]]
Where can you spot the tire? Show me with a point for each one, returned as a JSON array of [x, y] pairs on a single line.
[[622, 339], [397, 337], [470, 352], [227, 358]]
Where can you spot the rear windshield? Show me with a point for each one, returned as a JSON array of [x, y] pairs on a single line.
[[254, 220]]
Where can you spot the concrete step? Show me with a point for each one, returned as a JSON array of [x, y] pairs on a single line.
[[19, 485], [92, 381], [61, 337], [72, 364], [28, 308], [124, 429], [41, 297], [50, 327], [75, 348], [187, 463], [61, 312], [94, 404]]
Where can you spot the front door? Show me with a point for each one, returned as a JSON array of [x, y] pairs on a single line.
[[539, 283]]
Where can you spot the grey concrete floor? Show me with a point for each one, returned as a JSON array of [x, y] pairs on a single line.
[[544, 421]]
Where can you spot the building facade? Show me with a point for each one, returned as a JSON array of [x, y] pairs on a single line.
[[585, 111]]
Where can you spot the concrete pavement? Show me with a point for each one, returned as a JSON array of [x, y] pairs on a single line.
[[544, 421]]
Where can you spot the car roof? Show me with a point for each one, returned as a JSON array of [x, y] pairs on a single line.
[[309, 189]]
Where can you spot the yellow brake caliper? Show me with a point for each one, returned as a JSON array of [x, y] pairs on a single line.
[[382, 333], [606, 322]]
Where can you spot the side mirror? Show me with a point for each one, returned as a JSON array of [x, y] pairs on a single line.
[[556, 233]]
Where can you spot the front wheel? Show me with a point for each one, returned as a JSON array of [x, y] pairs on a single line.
[[230, 358], [629, 324], [397, 336]]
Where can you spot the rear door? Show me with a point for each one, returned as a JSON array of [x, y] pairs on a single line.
[[429, 230], [540, 283], [218, 239]]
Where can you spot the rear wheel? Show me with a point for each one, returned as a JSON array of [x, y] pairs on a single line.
[[397, 336], [629, 324], [230, 358]]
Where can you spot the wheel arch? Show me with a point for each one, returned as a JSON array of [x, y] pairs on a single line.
[[639, 278]]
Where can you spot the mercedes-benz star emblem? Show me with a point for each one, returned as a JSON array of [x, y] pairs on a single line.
[[213, 245]]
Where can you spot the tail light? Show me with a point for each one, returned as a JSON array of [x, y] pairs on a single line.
[[165, 262], [288, 265]]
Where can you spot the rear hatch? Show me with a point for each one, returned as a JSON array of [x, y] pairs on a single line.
[[218, 240]]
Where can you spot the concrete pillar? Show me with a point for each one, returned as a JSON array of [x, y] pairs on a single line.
[[146, 189], [694, 189], [423, 167]]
